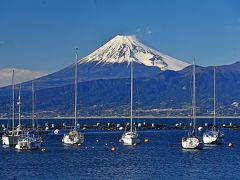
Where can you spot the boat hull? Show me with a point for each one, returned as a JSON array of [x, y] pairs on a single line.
[[10, 140], [29, 143], [192, 143], [213, 138], [73, 137], [130, 138]]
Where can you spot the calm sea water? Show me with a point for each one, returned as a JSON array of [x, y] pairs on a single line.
[[161, 158]]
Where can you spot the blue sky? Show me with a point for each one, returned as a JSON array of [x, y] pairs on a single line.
[[41, 35]]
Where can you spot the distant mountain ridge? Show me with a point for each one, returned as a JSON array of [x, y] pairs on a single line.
[[160, 82], [167, 93]]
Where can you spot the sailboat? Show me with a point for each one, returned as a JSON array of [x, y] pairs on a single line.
[[26, 140], [130, 137], [74, 137], [214, 136], [11, 136], [192, 141]]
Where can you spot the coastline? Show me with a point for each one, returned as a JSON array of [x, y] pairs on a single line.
[[135, 117]]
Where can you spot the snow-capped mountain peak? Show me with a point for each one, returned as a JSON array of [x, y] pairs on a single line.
[[127, 49]]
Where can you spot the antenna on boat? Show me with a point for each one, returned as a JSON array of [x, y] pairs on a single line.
[[13, 99], [19, 106], [33, 105], [194, 96], [214, 97], [76, 81], [131, 126]]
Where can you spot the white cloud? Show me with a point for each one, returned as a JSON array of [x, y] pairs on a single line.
[[21, 75], [148, 31], [144, 32]]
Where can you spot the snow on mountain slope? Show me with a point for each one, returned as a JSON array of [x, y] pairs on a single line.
[[126, 49]]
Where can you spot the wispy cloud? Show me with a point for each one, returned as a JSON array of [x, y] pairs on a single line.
[[148, 31], [144, 32], [21, 75]]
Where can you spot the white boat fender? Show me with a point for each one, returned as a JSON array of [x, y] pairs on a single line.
[[56, 131], [43, 149], [120, 128]]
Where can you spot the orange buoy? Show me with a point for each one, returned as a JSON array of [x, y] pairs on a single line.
[[230, 145], [146, 140], [113, 149]]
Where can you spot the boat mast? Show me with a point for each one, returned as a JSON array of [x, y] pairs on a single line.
[[214, 98], [75, 96], [194, 97], [13, 99], [33, 106], [131, 125], [19, 106]]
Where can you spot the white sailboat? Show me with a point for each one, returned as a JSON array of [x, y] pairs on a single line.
[[192, 141], [11, 136], [130, 137], [214, 136], [29, 141], [74, 137]]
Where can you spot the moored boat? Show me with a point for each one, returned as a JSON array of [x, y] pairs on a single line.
[[214, 136], [193, 141], [74, 136], [130, 137]]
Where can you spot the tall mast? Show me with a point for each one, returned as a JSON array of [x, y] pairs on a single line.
[[214, 98], [75, 97], [131, 126], [13, 100], [194, 97], [19, 106], [33, 106]]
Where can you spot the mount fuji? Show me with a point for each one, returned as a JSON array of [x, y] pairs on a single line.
[[123, 49], [111, 61]]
